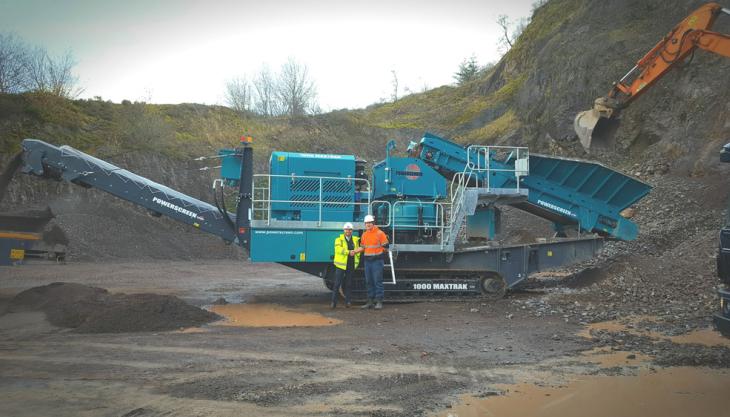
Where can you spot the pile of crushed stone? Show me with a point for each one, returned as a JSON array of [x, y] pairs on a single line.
[[94, 310]]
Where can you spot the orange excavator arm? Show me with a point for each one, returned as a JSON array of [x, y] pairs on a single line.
[[597, 126], [681, 41]]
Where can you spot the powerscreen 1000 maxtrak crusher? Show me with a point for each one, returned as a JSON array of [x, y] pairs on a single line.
[[433, 204]]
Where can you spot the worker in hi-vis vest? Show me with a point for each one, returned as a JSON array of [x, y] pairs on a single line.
[[347, 258], [373, 243]]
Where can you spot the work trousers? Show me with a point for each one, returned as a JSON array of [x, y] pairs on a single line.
[[343, 278], [374, 278]]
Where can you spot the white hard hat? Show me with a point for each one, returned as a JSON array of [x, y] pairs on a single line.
[[369, 219], [347, 226]]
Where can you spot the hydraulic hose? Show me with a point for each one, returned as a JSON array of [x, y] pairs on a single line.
[[222, 208]]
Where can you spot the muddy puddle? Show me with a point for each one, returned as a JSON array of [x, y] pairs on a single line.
[[269, 315], [188, 330], [671, 392], [638, 391], [608, 326], [705, 337], [606, 358]]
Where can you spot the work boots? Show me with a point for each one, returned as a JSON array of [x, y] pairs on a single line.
[[379, 305], [368, 305]]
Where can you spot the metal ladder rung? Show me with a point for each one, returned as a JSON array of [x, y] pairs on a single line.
[[392, 268]]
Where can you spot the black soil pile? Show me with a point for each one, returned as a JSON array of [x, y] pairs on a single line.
[[94, 310]]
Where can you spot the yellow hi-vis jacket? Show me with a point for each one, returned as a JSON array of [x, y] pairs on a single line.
[[342, 253]]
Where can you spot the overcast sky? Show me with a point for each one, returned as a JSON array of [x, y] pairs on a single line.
[[185, 51]]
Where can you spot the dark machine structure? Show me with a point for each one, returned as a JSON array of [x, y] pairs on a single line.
[[722, 317]]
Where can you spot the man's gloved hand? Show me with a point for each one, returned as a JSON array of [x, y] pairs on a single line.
[[385, 245]]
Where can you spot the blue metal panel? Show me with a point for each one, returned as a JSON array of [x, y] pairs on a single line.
[[442, 153], [411, 186], [230, 166], [274, 245], [406, 215], [589, 180], [409, 177], [482, 224], [590, 194], [452, 158], [298, 245], [320, 245], [301, 193]]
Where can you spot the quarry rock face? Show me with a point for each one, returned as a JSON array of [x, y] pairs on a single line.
[[571, 53]]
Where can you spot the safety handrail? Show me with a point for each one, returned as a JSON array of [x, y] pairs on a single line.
[[390, 211], [262, 201], [479, 159], [457, 201], [439, 226]]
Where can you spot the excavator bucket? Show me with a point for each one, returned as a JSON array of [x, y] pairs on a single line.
[[596, 130]]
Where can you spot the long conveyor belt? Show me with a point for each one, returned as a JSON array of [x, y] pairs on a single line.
[[66, 163]]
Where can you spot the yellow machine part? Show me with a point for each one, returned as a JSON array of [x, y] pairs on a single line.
[[20, 236], [17, 254]]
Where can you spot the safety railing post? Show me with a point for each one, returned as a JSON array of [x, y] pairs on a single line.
[[319, 222], [268, 204], [392, 220], [489, 167], [516, 163]]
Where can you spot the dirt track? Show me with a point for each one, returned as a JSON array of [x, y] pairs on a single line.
[[409, 359]]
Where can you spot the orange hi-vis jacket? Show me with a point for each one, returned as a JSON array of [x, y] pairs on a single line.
[[372, 241]]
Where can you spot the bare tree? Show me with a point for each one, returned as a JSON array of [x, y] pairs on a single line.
[[51, 75], [394, 84], [35, 66], [291, 92], [25, 68], [504, 23], [238, 94], [265, 89], [296, 92], [12, 58], [61, 80], [510, 31]]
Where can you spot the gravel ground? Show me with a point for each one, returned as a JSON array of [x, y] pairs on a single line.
[[410, 359]]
